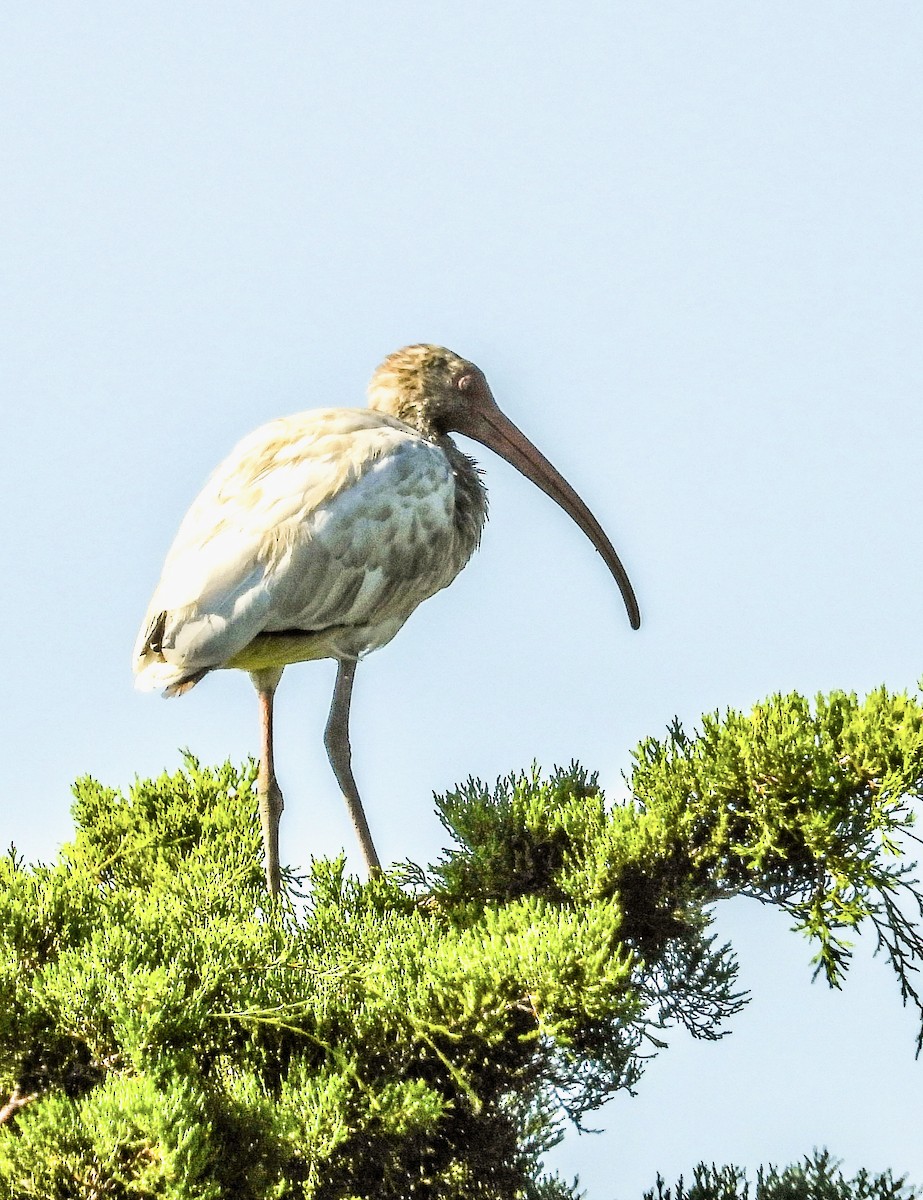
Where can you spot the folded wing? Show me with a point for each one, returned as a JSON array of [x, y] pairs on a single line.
[[339, 518]]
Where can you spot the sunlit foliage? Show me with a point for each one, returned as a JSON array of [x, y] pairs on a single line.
[[166, 1031]]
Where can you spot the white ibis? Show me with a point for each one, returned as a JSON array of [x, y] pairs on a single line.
[[321, 533]]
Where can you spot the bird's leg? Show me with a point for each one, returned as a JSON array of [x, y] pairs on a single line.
[[336, 739], [268, 792]]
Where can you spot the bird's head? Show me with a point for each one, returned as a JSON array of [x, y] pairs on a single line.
[[436, 392], [428, 387]]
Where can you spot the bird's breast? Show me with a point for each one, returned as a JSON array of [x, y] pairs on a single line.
[[375, 550]]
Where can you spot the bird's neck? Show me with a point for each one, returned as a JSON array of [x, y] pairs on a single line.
[[394, 393], [414, 412]]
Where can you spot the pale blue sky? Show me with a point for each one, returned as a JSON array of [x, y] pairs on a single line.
[[684, 243]]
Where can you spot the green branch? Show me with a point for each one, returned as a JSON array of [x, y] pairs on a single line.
[[165, 1032]]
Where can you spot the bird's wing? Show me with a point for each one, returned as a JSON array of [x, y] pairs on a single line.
[[330, 518]]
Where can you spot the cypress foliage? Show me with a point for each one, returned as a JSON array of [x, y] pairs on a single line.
[[817, 1178], [167, 1032]]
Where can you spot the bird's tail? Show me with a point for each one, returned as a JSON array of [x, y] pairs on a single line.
[[153, 671]]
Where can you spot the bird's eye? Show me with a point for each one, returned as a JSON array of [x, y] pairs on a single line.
[[464, 383]]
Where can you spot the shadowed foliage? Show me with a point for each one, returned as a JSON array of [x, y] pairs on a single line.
[[166, 1031]]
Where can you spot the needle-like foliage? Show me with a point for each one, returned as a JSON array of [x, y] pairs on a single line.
[[817, 1178], [166, 1031]]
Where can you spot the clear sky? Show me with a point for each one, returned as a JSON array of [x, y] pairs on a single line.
[[684, 243]]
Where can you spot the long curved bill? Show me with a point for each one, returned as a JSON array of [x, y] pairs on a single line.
[[489, 426]]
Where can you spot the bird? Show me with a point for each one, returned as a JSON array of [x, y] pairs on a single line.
[[320, 534]]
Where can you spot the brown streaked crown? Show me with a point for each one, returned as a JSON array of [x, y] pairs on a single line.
[[417, 385]]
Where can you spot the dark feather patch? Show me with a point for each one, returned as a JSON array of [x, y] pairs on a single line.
[[154, 639]]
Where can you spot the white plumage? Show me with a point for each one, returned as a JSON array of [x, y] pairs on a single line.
[[336, 522]]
